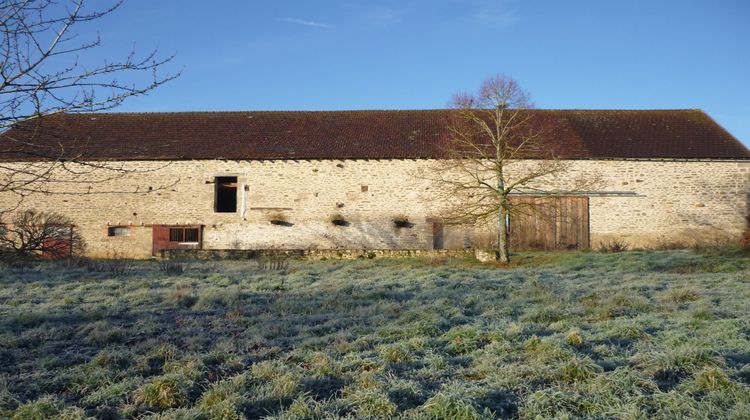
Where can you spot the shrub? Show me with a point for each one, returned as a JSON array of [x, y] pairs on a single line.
[[10, 261], [716, 242], [273, 261], [72, 262], [117, 264], [614, 246], [171, 268], [698, 242], [671, 244], [32, 234]]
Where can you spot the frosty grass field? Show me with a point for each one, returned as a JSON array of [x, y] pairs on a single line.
[[638, 334]]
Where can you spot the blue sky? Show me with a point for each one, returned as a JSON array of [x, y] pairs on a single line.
[[356, 54]]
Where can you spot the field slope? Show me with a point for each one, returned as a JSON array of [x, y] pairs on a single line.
[[640, 334]]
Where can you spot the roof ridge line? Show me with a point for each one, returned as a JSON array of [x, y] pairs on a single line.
[[125, 113]]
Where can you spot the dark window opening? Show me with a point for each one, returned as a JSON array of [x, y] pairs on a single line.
[[118, 231], [180, 234], [226, 194], [438, 235]]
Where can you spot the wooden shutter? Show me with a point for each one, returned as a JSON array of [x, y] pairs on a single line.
[[160, 238]]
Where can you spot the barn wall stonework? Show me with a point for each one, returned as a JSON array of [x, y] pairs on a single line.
[[673, 201]]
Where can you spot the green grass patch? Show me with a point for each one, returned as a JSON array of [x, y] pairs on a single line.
[[635, 334]]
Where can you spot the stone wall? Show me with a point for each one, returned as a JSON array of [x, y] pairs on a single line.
[[312, 254], [669, 201]]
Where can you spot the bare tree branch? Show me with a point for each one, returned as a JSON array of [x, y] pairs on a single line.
[[35, 234], [44, 72]]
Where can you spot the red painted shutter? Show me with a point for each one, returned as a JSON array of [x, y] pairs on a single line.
[[161, 238], [56, 248]]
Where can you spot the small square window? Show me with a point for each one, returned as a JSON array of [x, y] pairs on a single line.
[[118, 231], [365, 188]]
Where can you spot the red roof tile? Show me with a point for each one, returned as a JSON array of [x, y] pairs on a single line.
[[581, 134]]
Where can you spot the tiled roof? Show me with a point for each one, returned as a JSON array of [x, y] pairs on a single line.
[[265, 135]]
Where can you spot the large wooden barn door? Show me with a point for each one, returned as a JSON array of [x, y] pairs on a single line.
[[550, 223]]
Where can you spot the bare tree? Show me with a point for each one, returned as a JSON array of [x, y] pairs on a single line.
[[44, 71], [498, 147], [34, 234]]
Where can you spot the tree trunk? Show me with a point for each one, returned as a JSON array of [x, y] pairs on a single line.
[[503, 254]]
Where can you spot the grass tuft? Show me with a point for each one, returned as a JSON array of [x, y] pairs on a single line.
[[372, 404], [164, 392], [574, 338], [710, 379], [683, 295], [447, 406], [41, 409], [464, 339]]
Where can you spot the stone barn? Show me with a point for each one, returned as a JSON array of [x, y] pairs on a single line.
[[346, 180]]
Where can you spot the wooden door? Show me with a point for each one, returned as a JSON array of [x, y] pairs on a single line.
[[550, 223], [160, 234]]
